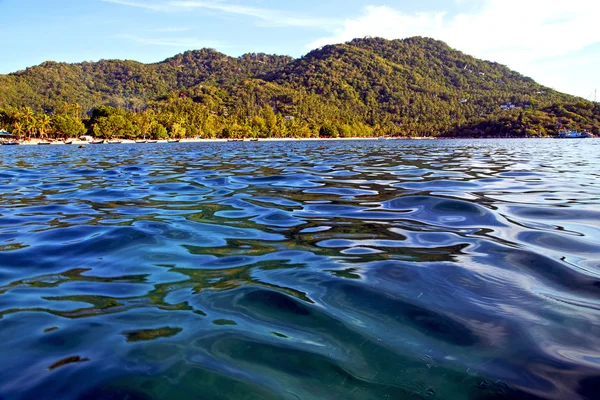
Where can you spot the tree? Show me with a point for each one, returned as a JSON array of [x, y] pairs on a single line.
[[177, 131], [18, 129], [43, 124], [67, 126], [5, 119], [329, 131], [158, 132], [144, 121], [270, 119], [116, 125], [28, 121]]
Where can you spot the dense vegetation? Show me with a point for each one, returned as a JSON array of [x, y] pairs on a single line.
[[366, 87]]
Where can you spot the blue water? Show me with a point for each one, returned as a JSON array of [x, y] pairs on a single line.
[[301, 270]]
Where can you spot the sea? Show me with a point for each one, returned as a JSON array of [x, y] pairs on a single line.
[[386, 269]]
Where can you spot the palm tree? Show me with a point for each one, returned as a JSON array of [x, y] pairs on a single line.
[[145, 122], [43, 124], [18, 128], [28, 121]]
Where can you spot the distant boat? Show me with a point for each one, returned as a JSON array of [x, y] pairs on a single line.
[[254, 140], [44, 143], [11, 143], [114, 142], [173, 141], [98, 142], [573, 135], [141, 141], [152, 141]]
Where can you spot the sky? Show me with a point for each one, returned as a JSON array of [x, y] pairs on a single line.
[[555, 42]]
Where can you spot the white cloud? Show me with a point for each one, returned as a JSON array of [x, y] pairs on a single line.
[[170, 29], [184, 43], [518, 33], [147, 6], [266, 16], [269, 16]]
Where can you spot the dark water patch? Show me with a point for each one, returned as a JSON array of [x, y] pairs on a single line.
[[224, 322], [67, 361], [430, 322], [192, 382], [276, 303], [151, 334]]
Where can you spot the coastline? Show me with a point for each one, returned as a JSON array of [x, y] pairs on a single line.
[[36, 142]]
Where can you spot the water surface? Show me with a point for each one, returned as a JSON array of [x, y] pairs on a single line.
[[301, 270]]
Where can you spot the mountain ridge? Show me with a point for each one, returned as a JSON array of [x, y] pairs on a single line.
[[414, 86]]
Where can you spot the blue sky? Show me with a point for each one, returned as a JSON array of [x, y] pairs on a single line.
[[555, 42]]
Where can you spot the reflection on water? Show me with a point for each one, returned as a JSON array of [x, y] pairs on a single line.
[[350, 270]]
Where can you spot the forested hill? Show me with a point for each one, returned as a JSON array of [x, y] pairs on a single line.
[[368, 86], [127, 84]]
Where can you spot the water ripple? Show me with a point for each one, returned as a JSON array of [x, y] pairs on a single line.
[[396, 269]]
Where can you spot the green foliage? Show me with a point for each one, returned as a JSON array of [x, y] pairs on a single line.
[[115, 126], [158, 132], [67, 126], [366, 87], [328, 131], [110, 122]]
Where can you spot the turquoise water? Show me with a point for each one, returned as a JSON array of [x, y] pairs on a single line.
[[301, 270]]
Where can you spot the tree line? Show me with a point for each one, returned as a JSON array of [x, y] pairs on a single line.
[[189, 121], [178, 118]]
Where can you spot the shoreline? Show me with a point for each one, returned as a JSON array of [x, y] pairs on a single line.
[[36, 142]]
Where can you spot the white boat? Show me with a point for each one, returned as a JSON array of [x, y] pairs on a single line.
[[573, 135]]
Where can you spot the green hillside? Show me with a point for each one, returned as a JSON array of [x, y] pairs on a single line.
[[128, 84], [365, 87]]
